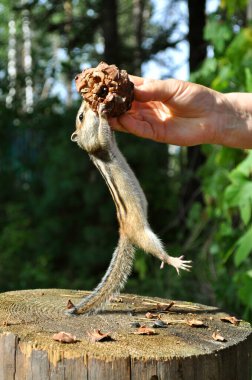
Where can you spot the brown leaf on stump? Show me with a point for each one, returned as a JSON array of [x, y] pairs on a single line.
[[196, 323], [106, 84], [98, 336], [232, 320], [70, 305], [64, 337], [216, 336], [150, 315], [143, 330]]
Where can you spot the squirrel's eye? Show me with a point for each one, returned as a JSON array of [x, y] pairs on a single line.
[[81, 116]]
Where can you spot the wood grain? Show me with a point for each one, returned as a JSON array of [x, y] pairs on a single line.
[[28, 320]]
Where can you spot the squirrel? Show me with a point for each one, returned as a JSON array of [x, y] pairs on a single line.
[[94, 134]]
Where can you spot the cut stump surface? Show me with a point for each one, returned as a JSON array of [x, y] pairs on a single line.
[[178, 350]]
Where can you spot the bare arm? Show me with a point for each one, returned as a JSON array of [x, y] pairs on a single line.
[[186, 114], [236, 130]]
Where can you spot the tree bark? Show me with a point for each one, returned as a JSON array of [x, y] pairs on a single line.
[[197, 22], [68, 10], [138, 11], [197, 46], [109, 23], [29, 319]]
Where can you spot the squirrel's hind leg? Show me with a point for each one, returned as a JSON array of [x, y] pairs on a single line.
[[150, 243]]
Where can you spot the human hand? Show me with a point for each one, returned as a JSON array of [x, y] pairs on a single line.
[[175, 112]]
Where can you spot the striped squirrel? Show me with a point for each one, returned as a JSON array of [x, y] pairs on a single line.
[[94, 135]]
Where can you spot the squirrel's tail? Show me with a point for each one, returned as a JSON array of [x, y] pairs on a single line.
[[112, 282]]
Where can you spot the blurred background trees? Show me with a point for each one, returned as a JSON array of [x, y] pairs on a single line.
[[57, 221]]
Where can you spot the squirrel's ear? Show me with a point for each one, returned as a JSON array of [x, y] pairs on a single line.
[[74, 136]]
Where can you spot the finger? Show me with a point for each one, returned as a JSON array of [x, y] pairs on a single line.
[[116, 125], [136, 80], [158, 90], [137, 127]]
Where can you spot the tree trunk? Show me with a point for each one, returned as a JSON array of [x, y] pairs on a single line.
[[68, 9], [29, 319], [197, 22], [109, 22], [138, 14], [195, 158]]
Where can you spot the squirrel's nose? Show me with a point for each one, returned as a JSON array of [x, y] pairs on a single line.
[[74, 136]]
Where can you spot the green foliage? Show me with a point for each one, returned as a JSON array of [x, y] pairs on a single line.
[[227, 174], [239, 195], [239, 192], [233, 6], [218, 33]]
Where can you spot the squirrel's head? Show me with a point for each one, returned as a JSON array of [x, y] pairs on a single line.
[[86, 133]]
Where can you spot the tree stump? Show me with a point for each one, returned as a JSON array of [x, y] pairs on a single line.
[[182, 346]]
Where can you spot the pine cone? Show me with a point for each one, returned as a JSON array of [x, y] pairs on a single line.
[[108, 85]]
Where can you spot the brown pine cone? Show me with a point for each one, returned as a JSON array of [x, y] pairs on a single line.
[[108, 85]]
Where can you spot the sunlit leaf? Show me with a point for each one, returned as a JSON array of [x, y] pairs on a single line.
[[218, 32], [245, 210], [248, 77], [239, 192], [233, 6], [245, 288], [244, 247], [218, 337]]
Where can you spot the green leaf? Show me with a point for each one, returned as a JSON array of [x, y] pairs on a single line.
[[240, 195], [233, 6], [245, 289], [248, 79], [241, 43], [239, 192], [249, 273], [245, 210], [218, 33], [245, 168], [244, 247], [228, 254]]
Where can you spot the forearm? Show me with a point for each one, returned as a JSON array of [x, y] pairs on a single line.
[[234, 125]]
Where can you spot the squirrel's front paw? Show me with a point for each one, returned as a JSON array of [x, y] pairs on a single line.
[[102, 109], [178, 263]]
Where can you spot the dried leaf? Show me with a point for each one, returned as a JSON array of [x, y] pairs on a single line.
[[70, 305], [149, 315], [143, 330], [98, 336], [216, 336], [64, 337], [232, 320], [196, 323]]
